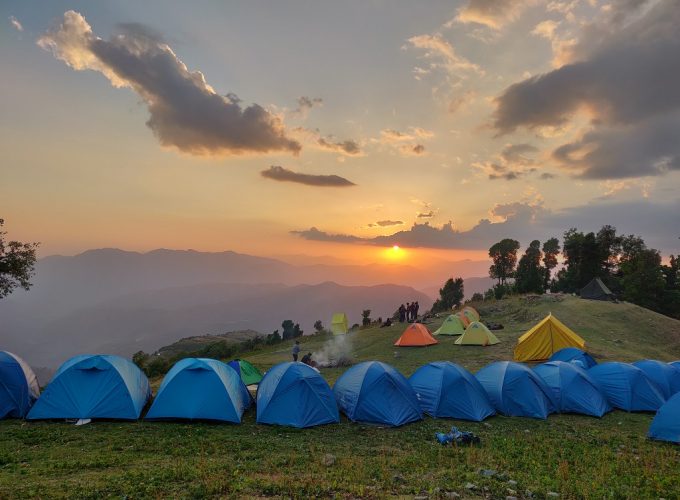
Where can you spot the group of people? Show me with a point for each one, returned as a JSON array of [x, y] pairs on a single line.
[[409, 313], [306, 359]]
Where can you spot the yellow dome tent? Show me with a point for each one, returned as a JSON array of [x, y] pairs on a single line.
[[547, 337], [452, 325], [339, 324], [471, 313], [477, 334]]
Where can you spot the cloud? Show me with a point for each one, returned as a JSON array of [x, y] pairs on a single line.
[[442, 54], [15, 23], [655, 222], [403, 142], [347, 147], [386, 223], [305, 104], [281, 174], [513, 162], [492, 13], [425, 215], [412, 150], [185, 112], [627, 80]]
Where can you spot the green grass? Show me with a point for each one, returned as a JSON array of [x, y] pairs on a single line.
[[575, 456]]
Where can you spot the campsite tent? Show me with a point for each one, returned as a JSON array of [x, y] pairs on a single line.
[[471, 313], [465, 319], [515, 390], [452, 325], [664, 375], [445, 389], [416, 334], [477, 334], [18, 386], [295, 395], [94, 386], [666, 423], [596, 290], [375, 392], [339, 324], [248, 373], [200, 389], [627, 387], [544, 339], [573, 389], [574, 355]]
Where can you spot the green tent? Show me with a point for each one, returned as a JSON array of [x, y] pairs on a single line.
[[249, 374], [452, 325], [470, 315], [339, 324]]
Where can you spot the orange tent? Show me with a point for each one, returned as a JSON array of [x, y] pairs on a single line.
[[463, 318], [416, 335]]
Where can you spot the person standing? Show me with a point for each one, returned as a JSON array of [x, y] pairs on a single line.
[[402, 313], [408, 312], [296, 350], [416, 306]]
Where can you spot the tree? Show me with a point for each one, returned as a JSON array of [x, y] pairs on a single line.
[[288, 329], [297, 331], [642, 279], [366, 317], [551, 249], [529, 277], [140, 358], [450, 295], [17, 264], [477, 297], [504, 257], [274, 338], [318, 326]]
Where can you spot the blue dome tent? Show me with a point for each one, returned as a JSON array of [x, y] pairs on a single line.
[[295, 395], [18, 386], [94, 386], [574, 355], [664, 375], [627, 387], [573, 389], [515, 390], [445, 389], [200, 389], [666, 423], [377, 393]]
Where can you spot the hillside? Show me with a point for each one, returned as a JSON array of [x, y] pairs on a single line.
[[196, 343]]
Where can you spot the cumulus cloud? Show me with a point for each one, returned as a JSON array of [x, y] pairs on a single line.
[[16, 24], [185, 111], [627, 80], [513, 162], [347, 147], [278, 173], [492, 13], [656, 223]]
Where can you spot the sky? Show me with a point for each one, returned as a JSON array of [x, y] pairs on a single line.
[[338, 128]]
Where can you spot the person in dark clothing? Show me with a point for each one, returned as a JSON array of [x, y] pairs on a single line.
[[409, 309], [416, 306], [296, 350], [402, 313], [388, 322], [307, 358]]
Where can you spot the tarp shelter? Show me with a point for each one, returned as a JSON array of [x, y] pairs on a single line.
[[452, 325], [573, 389], [477, 334], [515, 390], [377, 393], [471, 313], [627, 387], [445, 389], [295, 395], [200, 389], [544, 339], [666, 423], [249, 374], [94, 386], [339, 324], [18, 386], [596, 290], [574, 355], [664, 375], [416, 334]]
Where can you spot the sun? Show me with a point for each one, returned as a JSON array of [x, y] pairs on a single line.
[[394, 253]]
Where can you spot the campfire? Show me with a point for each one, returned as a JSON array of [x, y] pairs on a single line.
[[341, 362]]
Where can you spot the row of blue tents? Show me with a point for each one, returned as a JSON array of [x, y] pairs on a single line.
[[294, 394]]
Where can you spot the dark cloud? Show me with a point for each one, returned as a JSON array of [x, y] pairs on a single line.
[[185, 112], [386, 223], [281, 174], [547, 175], [657, 223], [628, 79], [425, 215], [304, 104], [348, 147], [418, 149], [513, 162]]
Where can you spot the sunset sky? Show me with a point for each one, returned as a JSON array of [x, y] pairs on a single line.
[[338, 128]]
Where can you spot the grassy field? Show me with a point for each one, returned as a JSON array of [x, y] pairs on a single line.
[[573, 456]]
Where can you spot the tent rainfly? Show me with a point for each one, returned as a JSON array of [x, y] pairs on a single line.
[[339, 324], [596, 290], [452, 325], [416, 335], [477, 334], [546, 338]]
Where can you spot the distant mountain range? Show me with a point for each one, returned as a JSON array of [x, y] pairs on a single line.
[[115, 301]]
